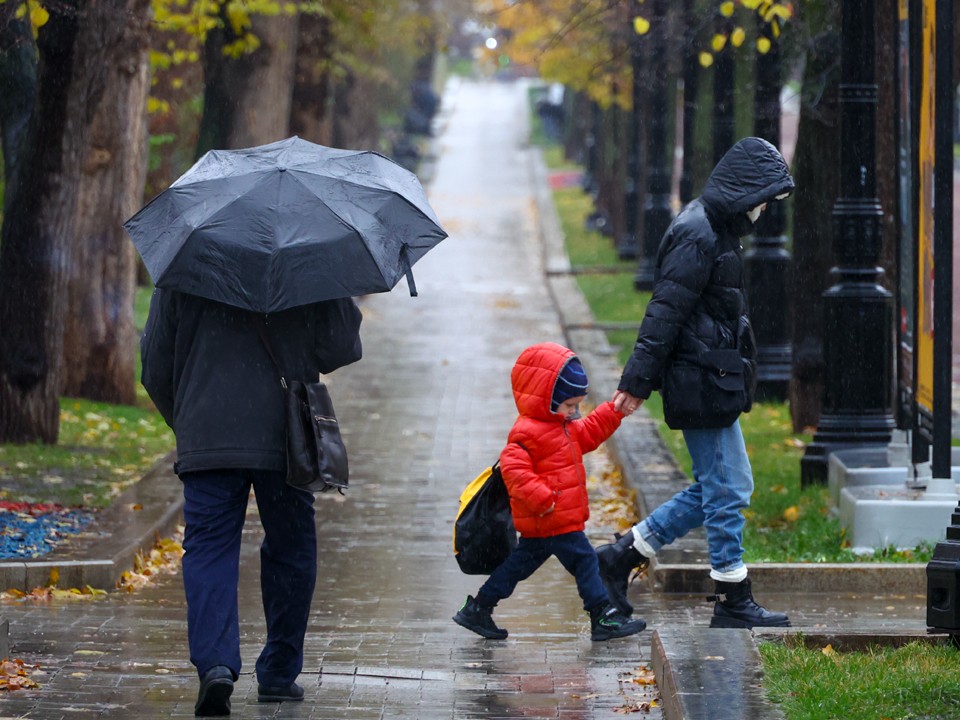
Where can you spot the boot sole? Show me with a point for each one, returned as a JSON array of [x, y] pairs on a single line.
[[480, 631], [729, 622], [613, 635], [215, 700]]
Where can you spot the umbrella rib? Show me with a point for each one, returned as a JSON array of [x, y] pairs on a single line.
[[345, 223]]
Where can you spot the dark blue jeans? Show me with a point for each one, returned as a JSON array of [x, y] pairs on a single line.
[[574, 552], [215, 506]]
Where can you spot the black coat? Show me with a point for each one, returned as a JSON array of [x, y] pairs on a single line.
[[209, 374], [698, 301]]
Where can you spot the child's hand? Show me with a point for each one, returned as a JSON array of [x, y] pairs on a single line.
[[548, 510], [625, 403]]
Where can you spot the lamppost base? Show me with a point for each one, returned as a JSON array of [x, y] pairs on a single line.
[[943, 586], [838, 432], [627, 247], [644, 277]]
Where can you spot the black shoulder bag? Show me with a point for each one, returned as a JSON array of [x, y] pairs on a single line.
[[316, 456]]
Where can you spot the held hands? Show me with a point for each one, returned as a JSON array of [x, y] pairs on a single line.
[[626, 403]]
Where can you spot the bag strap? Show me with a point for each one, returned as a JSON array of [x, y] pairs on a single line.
[[260, 324]]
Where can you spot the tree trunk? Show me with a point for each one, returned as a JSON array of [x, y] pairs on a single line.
[[99, 334], [817, 158], [35, 251], [310, 115], [247, 100]]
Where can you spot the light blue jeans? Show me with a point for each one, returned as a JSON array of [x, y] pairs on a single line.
[[723, 484]]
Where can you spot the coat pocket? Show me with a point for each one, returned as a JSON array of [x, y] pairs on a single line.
[[708, 393]]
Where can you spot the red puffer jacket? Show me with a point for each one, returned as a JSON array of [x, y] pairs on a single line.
[[542, 463]]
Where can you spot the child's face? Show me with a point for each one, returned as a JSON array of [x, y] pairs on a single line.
[[568, 408]]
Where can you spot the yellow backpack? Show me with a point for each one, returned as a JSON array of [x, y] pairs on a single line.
[[483, 534]]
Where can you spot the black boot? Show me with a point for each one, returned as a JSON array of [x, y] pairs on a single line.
[[736, 608], [606, 623], [617, 561], [474, 616]]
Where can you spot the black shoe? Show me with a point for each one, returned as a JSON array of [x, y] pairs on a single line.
[[606, 623], [216, 687], [617, 560], [735, 608], [479, 619], [283, 693]]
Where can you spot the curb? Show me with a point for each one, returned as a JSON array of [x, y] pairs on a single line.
[[697, 682], [858, 578], [136, 519]]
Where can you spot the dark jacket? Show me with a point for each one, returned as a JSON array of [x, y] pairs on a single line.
[[207, 371], [698, 300]]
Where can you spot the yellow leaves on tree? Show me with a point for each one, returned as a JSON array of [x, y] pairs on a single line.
[[584, 44], [581, 44]]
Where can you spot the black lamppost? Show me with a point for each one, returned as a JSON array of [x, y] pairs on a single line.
[[691, 72], [657, 213], [943, 570], [858, 323], [628, 246], [723, 78], [768, 261]]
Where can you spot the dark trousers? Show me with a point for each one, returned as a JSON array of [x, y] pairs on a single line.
[[574, 552], [215, 506]]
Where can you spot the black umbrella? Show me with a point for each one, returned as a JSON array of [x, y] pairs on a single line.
[[286, 224]]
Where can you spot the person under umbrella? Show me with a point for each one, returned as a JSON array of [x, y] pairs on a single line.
[[275, 239]]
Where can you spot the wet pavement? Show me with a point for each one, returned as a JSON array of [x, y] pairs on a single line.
[[423, 412]]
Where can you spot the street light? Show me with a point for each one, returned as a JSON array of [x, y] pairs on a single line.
[[627, 244], [858, 327], [657, 213], [768, 261]]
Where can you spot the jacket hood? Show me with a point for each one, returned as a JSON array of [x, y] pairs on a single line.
[[534, 375], [751, 173]]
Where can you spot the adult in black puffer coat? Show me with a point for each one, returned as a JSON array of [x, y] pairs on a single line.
[[696, 347], [210, 375]]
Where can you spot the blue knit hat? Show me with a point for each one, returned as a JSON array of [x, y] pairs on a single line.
[[572, 382]]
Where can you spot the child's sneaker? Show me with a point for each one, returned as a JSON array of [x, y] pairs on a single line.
[[606, 623], [473, 616]]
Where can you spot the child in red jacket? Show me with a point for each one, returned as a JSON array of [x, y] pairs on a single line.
[[542, 467]]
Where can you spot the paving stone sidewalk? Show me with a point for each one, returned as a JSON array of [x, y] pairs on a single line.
[[427, 407]]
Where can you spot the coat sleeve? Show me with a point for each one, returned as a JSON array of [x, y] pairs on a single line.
[[157, 353], [596, 427], [338, 333], [685, 269], [523, 483]]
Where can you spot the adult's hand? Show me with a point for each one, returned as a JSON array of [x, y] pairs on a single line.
[[626, 403]]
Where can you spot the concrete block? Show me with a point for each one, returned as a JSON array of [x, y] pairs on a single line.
[[4, 638], [877, 516], [13, 575]]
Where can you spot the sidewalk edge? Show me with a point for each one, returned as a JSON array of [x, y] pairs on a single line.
[[136, 519]]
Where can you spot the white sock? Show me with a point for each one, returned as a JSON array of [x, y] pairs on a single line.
[[642, 546], [730, 576]]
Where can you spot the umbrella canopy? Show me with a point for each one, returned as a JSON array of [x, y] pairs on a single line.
[[286, 224]]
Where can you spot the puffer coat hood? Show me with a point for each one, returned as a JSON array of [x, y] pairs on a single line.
[[698, 302], [751, 173], [534, 377], [542, 464]]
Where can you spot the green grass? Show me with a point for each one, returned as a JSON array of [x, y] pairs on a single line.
[[918, 680], [101, 448], [784, 523]]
